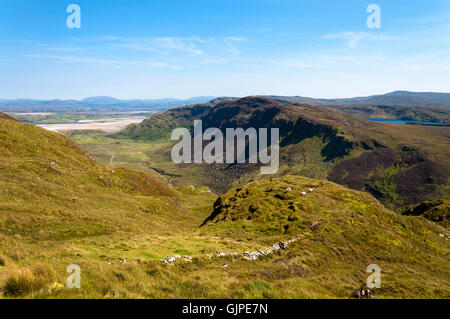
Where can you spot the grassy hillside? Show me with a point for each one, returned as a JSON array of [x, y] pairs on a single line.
[[399, 164], [340, 233], [59, 207]]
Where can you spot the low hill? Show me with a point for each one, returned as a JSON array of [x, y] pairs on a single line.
[[159, 125], [403, 98], [400, 165], [398, 105], [393, 99]]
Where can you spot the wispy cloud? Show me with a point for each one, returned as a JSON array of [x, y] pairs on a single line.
[[101, 62], [353, 38], [162, 52], [194, 46], [162, 45]]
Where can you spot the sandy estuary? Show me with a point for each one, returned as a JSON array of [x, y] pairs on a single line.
[[107, 125]]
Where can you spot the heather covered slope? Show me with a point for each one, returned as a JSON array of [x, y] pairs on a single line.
[[341, 232], [399, 164]]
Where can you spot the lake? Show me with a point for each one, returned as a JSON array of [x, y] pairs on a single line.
[[405, 122]]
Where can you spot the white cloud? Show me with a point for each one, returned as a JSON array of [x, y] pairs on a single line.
[[163, 52], [102, 62], [193, 46]]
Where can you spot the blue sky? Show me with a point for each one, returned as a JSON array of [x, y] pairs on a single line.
[[170, 48]]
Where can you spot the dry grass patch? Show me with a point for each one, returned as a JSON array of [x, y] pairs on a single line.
[[24, 281]]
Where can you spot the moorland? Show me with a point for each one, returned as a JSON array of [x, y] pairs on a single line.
[[349, 193]]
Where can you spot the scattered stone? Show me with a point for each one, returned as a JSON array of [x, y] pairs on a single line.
[[171, 259], [251, 256], [122, 260], [231, 253], [225, 266], [315, 225], [363, 293], [187, 259], [303, 193], [246, 255]]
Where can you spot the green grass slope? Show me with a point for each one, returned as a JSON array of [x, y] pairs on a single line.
[[351, 230], [59, 207]]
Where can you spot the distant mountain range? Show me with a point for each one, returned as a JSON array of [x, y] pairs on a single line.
[[96, 103], [396, 98], [103, 103]]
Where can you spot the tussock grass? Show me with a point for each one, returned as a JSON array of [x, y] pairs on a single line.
[[24, 281]]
